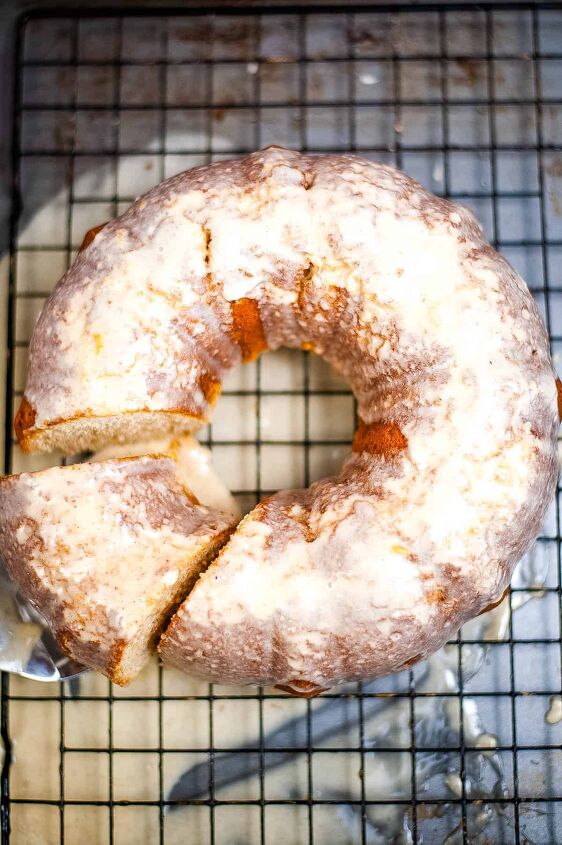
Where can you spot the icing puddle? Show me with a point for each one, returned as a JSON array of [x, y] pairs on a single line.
[[554, 713]]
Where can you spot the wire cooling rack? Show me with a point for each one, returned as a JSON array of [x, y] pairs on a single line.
[[468, 100]]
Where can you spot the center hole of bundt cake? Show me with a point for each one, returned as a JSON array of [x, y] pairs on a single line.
[[281, 422]]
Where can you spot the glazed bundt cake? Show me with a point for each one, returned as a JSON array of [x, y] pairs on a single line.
[[454, 459]]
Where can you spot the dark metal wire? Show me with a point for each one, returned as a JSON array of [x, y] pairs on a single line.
[[255, 109]]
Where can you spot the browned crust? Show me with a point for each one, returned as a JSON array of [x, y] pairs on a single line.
[[92, 654], [303, 281], [247, 328], [494, 603], [412, 661], [114, 663], [210, 387], [90, 235], [436, 596], [25, 420], [379, 438], [65, 638], [559, 397], [301, 689]]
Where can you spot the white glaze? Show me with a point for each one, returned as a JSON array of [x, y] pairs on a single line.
[[438, 337]]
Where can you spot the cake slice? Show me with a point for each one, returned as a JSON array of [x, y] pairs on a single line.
[[193, 466], [107, 550]]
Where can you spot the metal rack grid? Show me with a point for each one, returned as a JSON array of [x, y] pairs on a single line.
[[467, 100]]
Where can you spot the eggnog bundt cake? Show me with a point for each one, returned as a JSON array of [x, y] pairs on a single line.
[[454, 459], [106, 551]]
